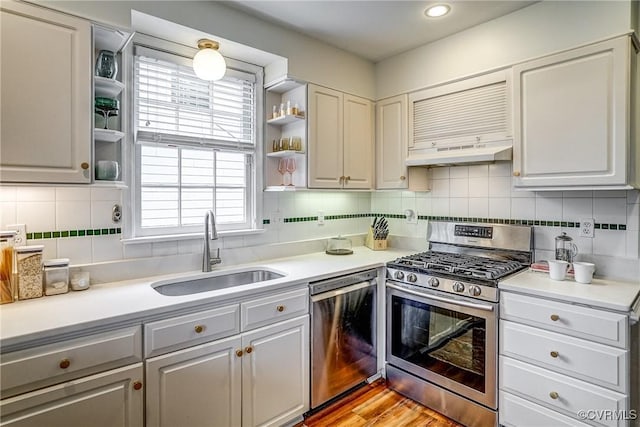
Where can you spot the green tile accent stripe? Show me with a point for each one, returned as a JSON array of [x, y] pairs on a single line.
[[72, 233], [537, 223]]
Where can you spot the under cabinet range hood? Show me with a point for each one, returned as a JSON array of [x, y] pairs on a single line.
[[461, 154]]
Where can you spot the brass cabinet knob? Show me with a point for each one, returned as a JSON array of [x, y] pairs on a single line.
[[84, 165], [554, 395], [554, 354], [248, 350], [199, 329], [402, 177], [65, 363], [239, 353], [341, 179], [137, 385], [280, 308], [555, 317], [516, 173]]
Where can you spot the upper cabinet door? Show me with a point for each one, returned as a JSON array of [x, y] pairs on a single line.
[[391, 142], [325, 122], [571, 113], [358, 142], [46, 95]]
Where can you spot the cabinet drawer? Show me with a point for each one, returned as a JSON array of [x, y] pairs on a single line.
[[567, 355], [571, 395], [42, 366], [517, 412], [184, 331], [592, 324], [270, 309]]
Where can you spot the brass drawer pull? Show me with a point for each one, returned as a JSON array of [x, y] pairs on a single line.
[[554, 354], [65, 363], [280, 308], [199, 329], [402, 177], [239, 353], [516, 173], [84, 165], [248, 350], [555, 317], [554, 395], [137, 385]]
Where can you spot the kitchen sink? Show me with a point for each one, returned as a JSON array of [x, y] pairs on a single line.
[[212, 283]]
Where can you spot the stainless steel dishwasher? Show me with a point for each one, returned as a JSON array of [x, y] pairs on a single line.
[[343, 334]]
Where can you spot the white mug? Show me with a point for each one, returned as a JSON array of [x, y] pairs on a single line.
[[558, 269], [583, 271]]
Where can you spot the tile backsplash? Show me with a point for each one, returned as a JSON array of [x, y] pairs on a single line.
[[81, 215]]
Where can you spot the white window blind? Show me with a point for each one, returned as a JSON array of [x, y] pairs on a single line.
[[455, 116], [195, 146]]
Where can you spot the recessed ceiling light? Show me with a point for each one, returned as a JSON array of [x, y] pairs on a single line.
[[437, 10]]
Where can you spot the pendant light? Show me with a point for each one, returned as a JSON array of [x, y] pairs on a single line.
[[208, 63]]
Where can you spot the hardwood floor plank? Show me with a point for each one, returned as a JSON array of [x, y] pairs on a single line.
[[375, 405]]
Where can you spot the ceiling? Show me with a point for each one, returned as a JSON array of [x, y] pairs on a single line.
[[376, 29]]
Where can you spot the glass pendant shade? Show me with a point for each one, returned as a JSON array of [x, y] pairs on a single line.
[[208, 63]]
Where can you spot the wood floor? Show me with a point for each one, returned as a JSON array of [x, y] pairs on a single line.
[[376, 405]]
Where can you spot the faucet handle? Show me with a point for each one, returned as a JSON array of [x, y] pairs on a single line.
[[216, 259]]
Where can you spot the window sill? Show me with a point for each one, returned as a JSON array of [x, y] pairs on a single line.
[[187, 236]]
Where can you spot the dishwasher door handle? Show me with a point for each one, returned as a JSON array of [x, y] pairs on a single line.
[[342, 291]]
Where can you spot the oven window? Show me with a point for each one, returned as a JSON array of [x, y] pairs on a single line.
[[448, 343]]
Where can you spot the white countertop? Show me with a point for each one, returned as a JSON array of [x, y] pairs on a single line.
[[601, 293], [112, 303]]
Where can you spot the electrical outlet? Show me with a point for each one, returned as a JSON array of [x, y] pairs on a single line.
[[276, 218], [586, 227], [21, 237], [320, 218]]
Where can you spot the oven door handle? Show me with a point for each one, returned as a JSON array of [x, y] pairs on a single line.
[[441, 299]]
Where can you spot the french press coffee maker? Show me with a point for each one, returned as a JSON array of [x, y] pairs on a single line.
[[566, 250]]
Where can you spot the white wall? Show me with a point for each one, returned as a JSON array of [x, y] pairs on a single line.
[[534, 31], [309, 59]]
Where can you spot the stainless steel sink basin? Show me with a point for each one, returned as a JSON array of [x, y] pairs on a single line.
[[223, 281]]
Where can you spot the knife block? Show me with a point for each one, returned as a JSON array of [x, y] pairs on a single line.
[[373, 244]]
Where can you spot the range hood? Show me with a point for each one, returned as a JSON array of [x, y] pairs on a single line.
[[461, 155]]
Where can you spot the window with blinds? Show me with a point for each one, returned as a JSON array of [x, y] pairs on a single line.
[[195, 146]]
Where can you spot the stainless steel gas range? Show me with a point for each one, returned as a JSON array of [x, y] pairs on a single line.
[[442, 317]]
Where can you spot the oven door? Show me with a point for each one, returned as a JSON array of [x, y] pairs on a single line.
[[450, 341]]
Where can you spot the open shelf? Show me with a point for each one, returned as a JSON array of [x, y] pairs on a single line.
[[109, 88], [285, 120], [107, 135], [284, 153]]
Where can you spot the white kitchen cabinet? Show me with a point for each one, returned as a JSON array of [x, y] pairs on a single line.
[[109, 399], [392, 123], [46, 95], [340, 139], [572, 119], [198, 386], [557, 359], [275, 373], [257, 377]]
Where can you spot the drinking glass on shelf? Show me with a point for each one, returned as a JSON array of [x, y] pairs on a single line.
[[282, 168], [291, 168]]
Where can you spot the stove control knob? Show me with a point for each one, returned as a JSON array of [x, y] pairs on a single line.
[[474, 290], [458, 287], [412, 278], [399, 275], [433, 282]]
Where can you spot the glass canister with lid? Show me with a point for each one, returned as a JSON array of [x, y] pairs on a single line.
[[29, 271], [7, 290], [56, 276]]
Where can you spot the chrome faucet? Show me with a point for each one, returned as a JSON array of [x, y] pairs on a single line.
[[207, 261]]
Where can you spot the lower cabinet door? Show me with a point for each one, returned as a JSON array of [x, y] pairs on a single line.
[[109, 399], [198, 386], [275, 373]]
